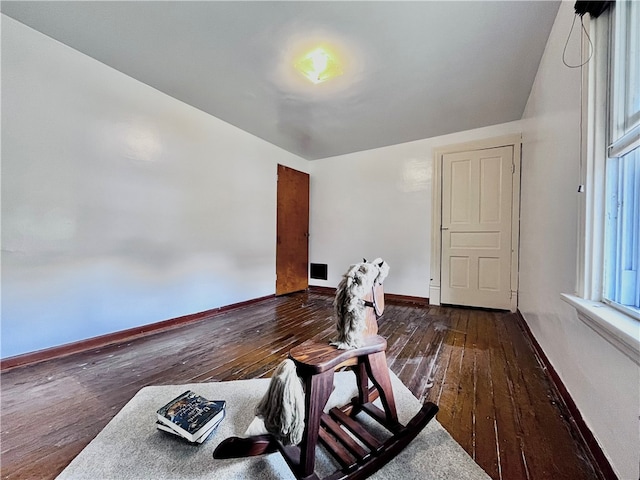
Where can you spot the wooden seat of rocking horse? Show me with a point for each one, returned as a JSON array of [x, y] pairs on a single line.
[[336, 429]]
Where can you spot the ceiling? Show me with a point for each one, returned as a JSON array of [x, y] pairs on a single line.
[[412, 70]]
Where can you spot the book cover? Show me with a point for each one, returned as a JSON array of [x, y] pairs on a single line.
[[191, 415]]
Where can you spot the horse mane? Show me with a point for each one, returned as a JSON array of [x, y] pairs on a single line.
[[349, 302]]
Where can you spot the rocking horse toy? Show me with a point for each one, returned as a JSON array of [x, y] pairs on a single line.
[[293, 407]]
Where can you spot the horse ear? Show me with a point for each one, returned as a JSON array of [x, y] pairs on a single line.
[[364, 260]]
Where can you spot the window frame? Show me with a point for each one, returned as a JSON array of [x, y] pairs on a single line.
[[620, 328]]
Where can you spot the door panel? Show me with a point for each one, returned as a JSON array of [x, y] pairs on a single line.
[[292, 231], [476, 228]]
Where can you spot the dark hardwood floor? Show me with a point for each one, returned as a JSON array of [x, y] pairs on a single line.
[[494, 396]]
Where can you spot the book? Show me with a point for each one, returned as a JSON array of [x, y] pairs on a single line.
[[191, 415], [203, 437]]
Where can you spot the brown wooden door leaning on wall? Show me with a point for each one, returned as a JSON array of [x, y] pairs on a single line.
[[292, 231]]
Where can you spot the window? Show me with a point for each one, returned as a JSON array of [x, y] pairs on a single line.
[[608, 285], [621, 258]]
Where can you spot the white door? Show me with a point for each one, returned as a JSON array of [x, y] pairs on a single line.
[[476, 228]]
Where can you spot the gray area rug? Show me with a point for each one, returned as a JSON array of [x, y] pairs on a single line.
[[130, 446]]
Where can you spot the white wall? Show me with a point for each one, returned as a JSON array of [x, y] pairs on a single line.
[[603, 382], [121, 206], [377, 203]]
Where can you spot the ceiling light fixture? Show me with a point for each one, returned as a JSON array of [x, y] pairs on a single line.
[[319, 65]]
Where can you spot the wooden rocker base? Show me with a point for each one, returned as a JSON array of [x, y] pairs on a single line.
[[338, 429], [358, 460]]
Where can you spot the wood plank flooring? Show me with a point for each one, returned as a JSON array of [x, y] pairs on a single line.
[[494, 397]]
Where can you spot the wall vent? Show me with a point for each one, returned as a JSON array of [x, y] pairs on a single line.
[[318, 271]]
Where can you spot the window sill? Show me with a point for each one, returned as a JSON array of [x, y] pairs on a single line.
[[622, 331]]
